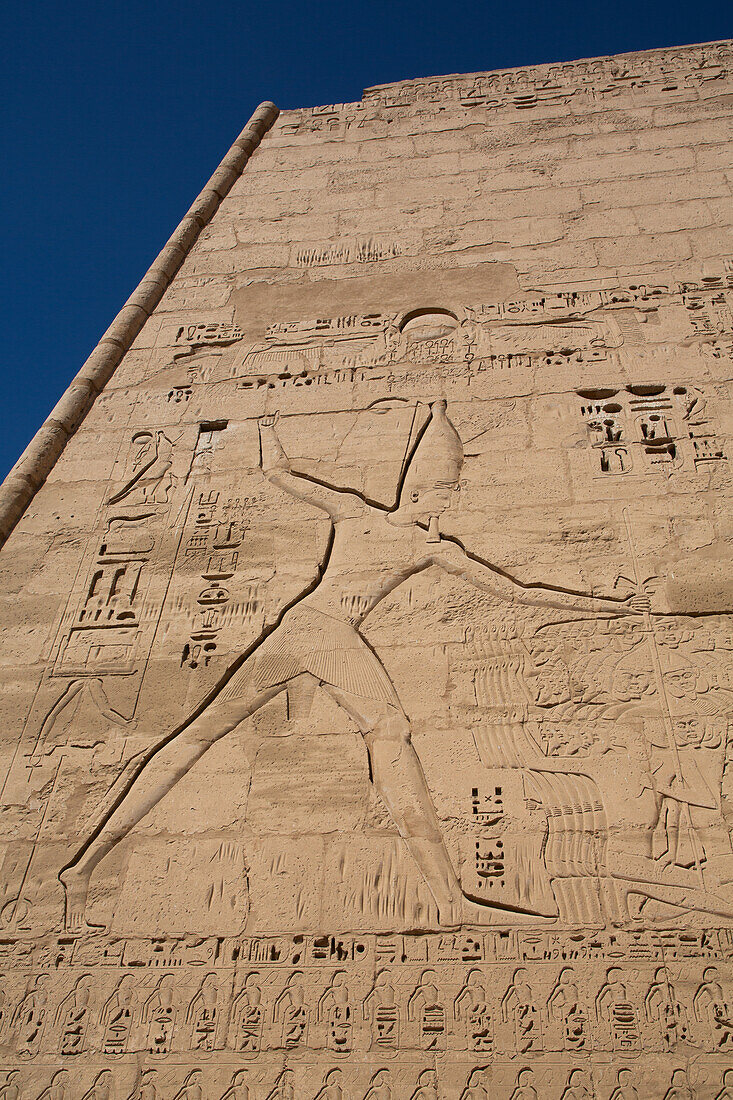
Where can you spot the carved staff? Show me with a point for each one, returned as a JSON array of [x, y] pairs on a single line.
[[662, 691]]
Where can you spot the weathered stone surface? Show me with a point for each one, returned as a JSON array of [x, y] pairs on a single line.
[[366, 652]]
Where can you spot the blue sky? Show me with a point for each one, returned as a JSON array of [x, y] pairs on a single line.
[[116, 115]]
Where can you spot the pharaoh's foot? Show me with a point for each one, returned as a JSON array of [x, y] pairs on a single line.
[[478, 911], [76, 888], [463, 909]]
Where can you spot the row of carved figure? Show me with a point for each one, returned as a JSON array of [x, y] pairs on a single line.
[[575, 1084], [572, 1017]]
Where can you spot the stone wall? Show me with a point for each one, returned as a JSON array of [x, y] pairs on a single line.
[[365, 670]]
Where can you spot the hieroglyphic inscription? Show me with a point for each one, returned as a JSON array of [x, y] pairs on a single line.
[[646, 426], [216, 532], [107, 626], [570, 1013], [362, 252], [664, 76], [379, 744]]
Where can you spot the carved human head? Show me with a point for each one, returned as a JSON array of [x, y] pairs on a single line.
[[631, 681], [550, 682], [433, 473], [82, 991], [682, 680], [251, 988]]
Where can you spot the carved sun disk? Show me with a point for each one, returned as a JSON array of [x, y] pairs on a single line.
[[428, 324]]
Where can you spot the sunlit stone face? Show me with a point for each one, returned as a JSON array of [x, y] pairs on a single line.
[[320, 779]]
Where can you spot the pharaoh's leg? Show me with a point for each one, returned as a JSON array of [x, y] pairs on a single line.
[[147, 785], [400, 781], [399, 778]]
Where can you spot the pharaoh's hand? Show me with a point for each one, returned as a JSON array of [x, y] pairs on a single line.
[[269, 420], [638, 604]]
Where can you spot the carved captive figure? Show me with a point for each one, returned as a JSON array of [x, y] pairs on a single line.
[[373, 550]]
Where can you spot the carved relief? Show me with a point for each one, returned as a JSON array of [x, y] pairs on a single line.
[[565, 1009], [615, 1010], [292, 1013], [248, 1016], [426, 1009], [712, 1010], [334, 1010], [519, 1010], [362, 251], [382, 744], [383, 1013], [647, 427], [471, 1006], [317, 640], [72, 1018], [537, 708], [29, 1017], [117, 1018], [109, 618], [159, 1016]]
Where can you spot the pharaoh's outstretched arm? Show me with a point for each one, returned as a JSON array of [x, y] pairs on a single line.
[[276, 468], [454, 559]]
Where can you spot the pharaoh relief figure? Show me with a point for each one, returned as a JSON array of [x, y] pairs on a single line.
[[317, 643]]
